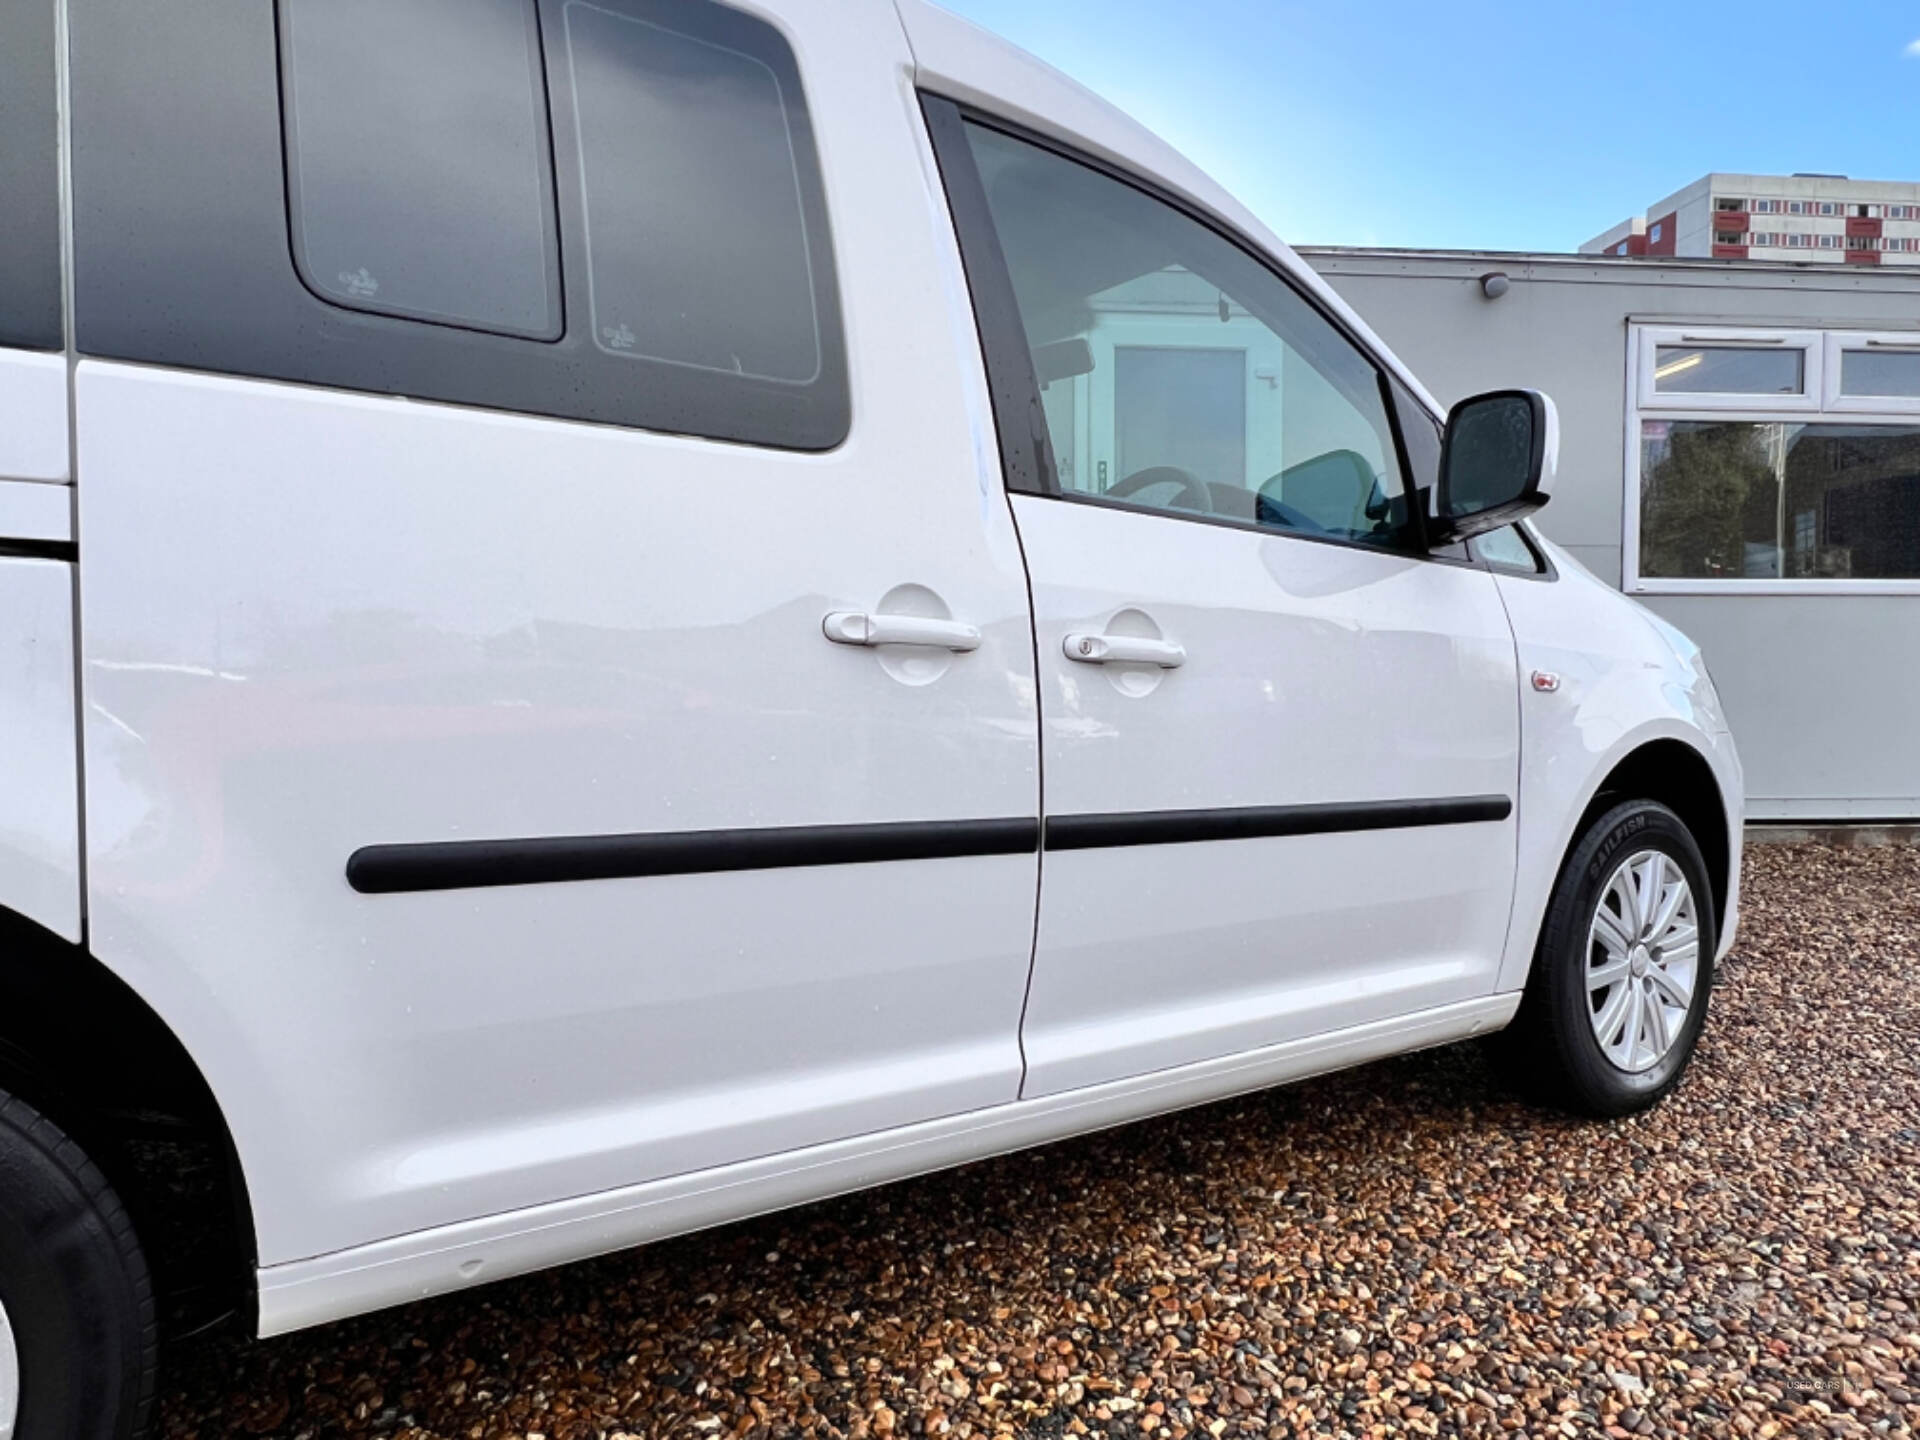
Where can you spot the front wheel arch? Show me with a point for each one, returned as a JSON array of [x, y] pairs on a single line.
[[1674, 774]]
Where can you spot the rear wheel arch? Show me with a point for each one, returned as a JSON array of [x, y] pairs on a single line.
[[83, 1048]]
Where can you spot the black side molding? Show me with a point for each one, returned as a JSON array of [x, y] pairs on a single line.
[[474, 864], [39, 550], [470, 864], [1257, 822]]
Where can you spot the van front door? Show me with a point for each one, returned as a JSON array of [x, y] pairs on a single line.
[[1280, 746]]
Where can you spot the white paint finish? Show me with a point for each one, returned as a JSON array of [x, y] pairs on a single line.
[[39, 778], [33, 511], [435, 1262], [1626, 679], [1314, 673], [1815, 673], [33, 416], [316, 621], [273, 681]]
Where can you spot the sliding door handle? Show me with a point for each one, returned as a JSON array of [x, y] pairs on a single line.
[[855, 627], [1124, 650]]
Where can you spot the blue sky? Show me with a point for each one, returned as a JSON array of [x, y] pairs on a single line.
[[1491, 126]]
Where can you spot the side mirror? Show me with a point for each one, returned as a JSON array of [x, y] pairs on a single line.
[[1500, 452]]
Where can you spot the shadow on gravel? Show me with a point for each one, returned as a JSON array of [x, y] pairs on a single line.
[[1399, 1248], [1042, 1217]]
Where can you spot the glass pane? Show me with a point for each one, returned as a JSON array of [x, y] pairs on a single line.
[[30, 304], [417, 137], [1506, 548], [697, 245], [1180, 407], [1178, 372], [1757, 500], [1894, 373], [1728, 370]]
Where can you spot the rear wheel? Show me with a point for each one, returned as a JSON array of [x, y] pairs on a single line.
[[1618, 993], [77, 1332]]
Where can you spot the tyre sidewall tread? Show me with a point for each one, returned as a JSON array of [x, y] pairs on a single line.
[[1555, 1012], [75, 1285]]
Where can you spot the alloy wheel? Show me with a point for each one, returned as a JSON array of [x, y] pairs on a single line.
[[9, 1378], [1643, 960]]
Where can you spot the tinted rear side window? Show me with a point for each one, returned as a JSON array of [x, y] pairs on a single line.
[[670, 269], [418, 166], [697, 245], [29, 179]]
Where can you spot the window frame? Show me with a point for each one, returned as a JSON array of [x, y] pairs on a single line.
[[1822, 379], [1027, 462], [1839, 343], [1651, 338]]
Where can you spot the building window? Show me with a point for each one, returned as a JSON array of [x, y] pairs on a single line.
[[1727, 370], [1827, 499], [1653, 235], [1887, 373], [1729, 204], [1729, 499], [1724, 239]]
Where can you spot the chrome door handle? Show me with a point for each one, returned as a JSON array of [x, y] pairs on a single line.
[[1124, 650], [855, 627]]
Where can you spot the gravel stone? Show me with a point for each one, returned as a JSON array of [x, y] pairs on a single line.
[[1401, 1249]]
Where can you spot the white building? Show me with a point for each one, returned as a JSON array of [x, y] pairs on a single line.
[[1740, 450], [1814, 218]]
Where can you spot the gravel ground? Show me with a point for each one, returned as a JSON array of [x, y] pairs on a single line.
[[1402, 1248]]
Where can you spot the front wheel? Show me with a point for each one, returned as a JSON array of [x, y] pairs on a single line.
[[77, 1332], [1618, 993]]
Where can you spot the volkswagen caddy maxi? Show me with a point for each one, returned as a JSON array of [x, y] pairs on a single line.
[[621, 613]]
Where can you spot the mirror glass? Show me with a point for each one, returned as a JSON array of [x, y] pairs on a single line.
[[1490, 450]]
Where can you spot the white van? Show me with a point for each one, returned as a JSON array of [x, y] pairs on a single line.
[[621, 613]]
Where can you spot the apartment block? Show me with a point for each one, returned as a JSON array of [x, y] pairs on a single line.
[[1826, 219]]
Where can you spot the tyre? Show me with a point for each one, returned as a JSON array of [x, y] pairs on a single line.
[[78, 1337], [1618, 992]]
